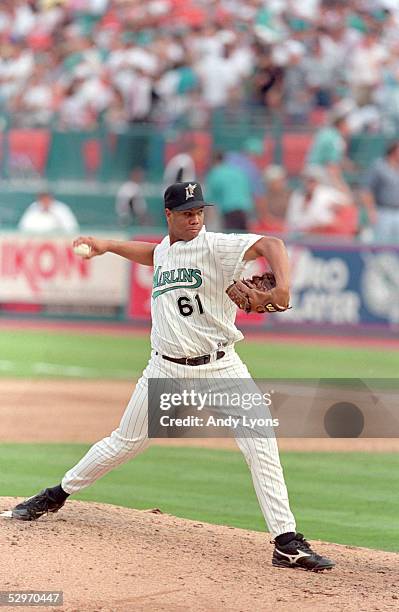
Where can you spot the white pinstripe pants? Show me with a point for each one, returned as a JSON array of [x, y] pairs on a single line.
[[130, 438]]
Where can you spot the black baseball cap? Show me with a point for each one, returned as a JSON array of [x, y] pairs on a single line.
[[183, 196]]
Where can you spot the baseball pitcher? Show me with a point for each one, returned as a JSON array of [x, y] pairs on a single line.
[[196, 291]]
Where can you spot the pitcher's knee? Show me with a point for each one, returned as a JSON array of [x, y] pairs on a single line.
[[126, 446]]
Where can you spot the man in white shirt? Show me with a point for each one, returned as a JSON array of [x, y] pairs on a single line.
[[179, 169], [365, 64], [140, 96], [217, 81], [315, 206], [192, 338], [48, 216], [131, 204]]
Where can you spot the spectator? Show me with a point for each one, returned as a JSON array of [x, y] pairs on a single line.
[[268, 79], [321, 75], [297, 98], [116, 116], [381, 196], [140, 97], [273, 208], [48, 216], [314, 209], [328, 150], [180, 168], [248, 160], [286, 56], [97, 92], [217, 79], [74, 113], [16, 67], [176, 88], [366, 63], [175, 62], [230, 187], [131, 205], [36, 102]]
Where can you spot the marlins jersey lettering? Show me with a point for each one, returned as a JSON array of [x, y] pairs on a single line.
[[191, 313]]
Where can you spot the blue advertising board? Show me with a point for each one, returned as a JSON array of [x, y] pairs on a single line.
[[344, 285]]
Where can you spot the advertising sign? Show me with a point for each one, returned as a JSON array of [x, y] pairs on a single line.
[[334, 285], [36, 270], [338, 285]]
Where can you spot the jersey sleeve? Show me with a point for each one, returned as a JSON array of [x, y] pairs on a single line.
[[159, 250], [230, 250]]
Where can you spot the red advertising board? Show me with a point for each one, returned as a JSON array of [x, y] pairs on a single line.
[[27, 148], [37, 271], [139, 304]]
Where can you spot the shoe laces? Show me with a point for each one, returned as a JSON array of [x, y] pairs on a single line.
[[39, 501], [304, 545]]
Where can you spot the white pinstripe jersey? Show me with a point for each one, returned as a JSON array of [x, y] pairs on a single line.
[[191, 313]]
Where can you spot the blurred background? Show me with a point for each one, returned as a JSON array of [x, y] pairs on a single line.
[[287, 112]]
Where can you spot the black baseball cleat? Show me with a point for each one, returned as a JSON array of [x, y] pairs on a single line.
[[297, 553], [34, 507]]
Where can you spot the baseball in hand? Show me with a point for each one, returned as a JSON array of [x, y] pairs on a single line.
[[83, 250]]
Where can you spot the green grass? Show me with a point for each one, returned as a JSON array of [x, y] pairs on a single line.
[[43, 354], [345, 498], [349, 498]]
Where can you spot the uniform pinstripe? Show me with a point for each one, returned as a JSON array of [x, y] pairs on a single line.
[[202, 326]]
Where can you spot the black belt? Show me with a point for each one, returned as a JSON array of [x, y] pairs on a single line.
[[193, 361]]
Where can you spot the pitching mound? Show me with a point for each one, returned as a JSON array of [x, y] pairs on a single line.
[[117, 559]]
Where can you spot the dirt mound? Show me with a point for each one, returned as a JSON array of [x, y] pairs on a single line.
[[108, 558]]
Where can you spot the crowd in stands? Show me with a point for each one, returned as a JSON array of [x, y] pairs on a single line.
[[250, 196], [331, 65], [78, 63]]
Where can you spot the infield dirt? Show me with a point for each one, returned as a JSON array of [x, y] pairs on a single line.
[[107, 558], [87, 410], [114, 559]]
